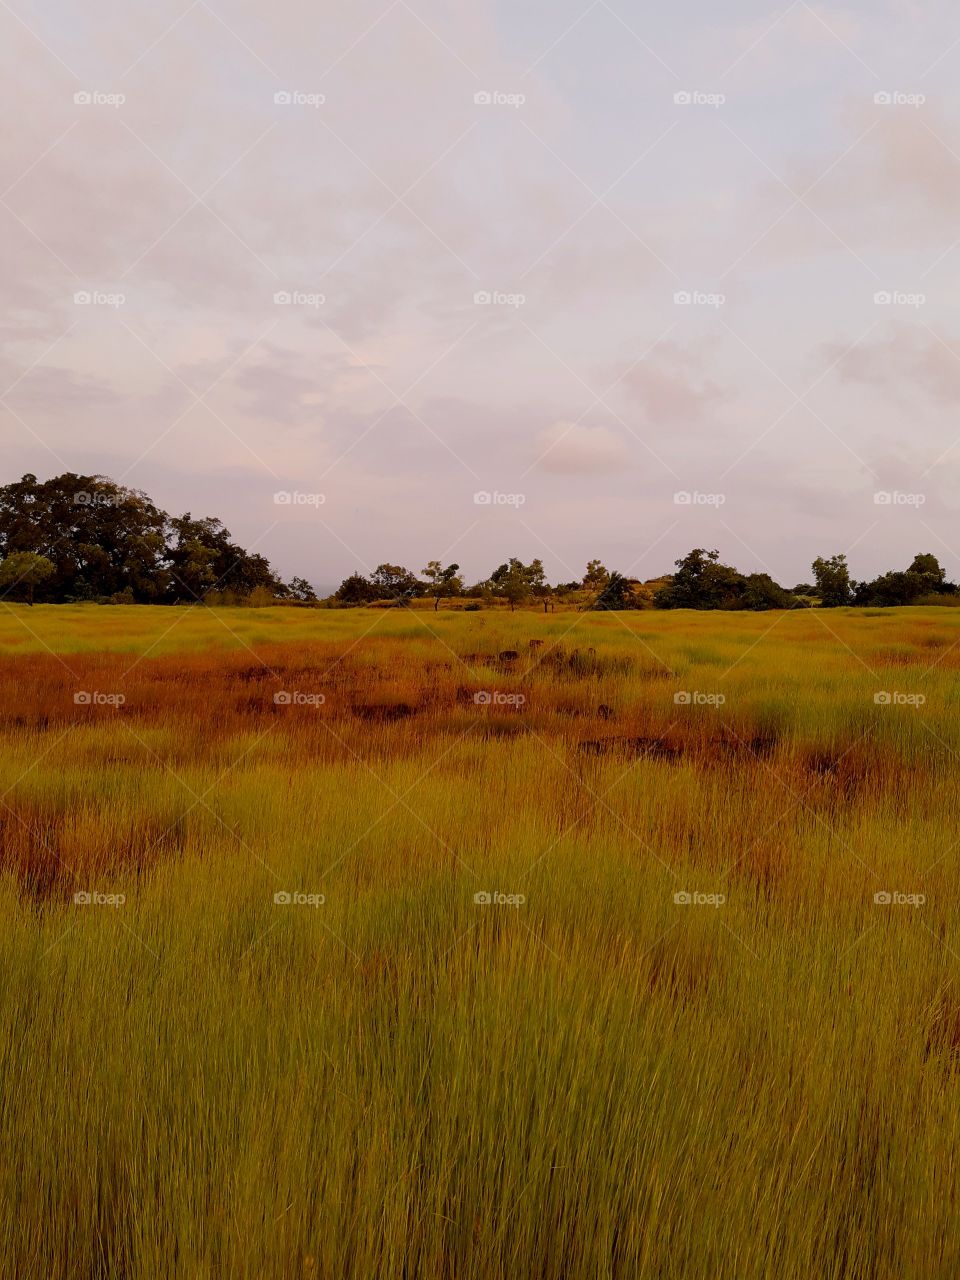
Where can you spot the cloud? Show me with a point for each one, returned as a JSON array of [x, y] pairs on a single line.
[[570, 447]]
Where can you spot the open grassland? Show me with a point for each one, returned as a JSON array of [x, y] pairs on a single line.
[[603, 1080]]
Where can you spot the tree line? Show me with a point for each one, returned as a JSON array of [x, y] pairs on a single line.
[[701, 581], [77, 538]]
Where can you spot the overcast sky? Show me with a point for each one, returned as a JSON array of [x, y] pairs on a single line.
[[487, 218]]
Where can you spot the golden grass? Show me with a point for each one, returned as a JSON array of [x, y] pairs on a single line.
[[400, 1082]]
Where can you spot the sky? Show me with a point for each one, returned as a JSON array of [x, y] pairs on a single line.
[[396, 281]]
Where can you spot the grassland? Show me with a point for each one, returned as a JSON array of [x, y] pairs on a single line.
[[603, 1080]]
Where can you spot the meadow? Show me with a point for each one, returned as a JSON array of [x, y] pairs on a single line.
[[385, 943]]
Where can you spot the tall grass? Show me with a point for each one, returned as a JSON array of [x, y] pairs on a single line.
[[599, 1081]]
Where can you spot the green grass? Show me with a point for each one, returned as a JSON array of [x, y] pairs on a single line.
[[599, 1082]]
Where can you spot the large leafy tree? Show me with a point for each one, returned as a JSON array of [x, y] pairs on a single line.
[[701, 582], [356, 589], [517, 581], [101, 537], [105, 540], [204, 557], [833, 581], [394, 582]]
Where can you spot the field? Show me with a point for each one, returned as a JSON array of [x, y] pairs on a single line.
[[641, 963]]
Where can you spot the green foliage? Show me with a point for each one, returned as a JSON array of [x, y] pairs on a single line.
[[833, 581], [23, 571], [106, 541]]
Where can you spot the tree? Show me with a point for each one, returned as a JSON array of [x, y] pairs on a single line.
[[833, 581], [101, 537], [615, 594], [25, 570], [927, 569], [204, 557], [442, 583], [761, 592], [394, 582], [355, 590], [701, 582], [299, 589], [596, 576], [924, 577], [518, 581]]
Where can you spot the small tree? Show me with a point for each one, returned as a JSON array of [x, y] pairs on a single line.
[[301, 590], [355, 590], [595, 576], [518, 581], [442, 583], [25, 570], [833, 581], [616, 593], [394, 582]]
